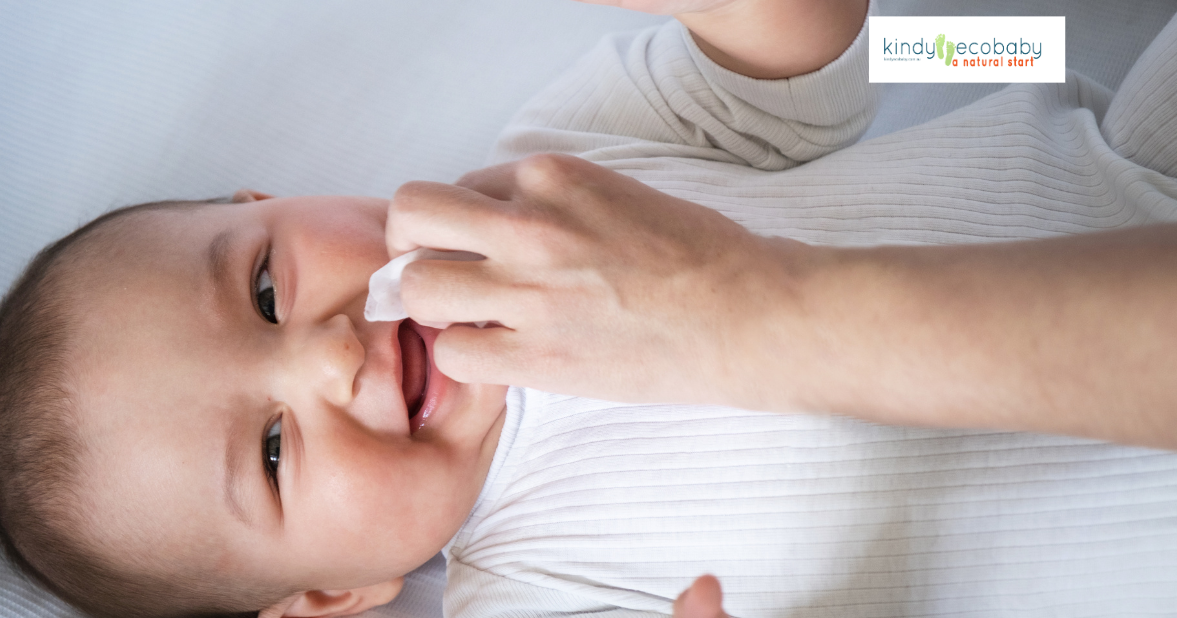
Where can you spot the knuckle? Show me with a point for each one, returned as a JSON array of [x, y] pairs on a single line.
[[409, 197], [544, 173], [547, 245], [470, 179], [539, 305]]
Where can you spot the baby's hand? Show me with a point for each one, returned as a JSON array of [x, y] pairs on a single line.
[[664, 7], [765, 39]]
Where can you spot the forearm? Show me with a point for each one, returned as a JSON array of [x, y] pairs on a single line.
[[774, 39], [1074, 335]]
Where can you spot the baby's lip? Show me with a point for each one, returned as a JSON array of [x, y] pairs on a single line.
[[420, 384], [397, 354], [437, 385], [415, 366]]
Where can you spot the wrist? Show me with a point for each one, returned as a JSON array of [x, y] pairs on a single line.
[[888, 334], [823, 334], [774, 339], [776, 39]]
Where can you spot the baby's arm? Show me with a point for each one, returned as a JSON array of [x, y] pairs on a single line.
[[667, 93], [765, 39]]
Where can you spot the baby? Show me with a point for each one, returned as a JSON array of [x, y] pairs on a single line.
[[220, 430]]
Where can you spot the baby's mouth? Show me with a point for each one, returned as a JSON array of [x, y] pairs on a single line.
[[414, 367]]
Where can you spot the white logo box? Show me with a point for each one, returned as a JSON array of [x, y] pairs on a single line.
[[980, 51]]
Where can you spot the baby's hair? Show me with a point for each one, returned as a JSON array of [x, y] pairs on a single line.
[[40, 507]]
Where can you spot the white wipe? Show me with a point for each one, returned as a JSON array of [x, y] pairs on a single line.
[[384, 288]]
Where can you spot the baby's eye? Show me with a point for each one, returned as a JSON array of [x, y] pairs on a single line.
[[272, 450], [264, 294]]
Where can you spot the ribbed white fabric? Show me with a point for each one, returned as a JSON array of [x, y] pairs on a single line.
[[611, 509], [596, 507]]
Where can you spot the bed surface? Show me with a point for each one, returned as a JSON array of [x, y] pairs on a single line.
[[114, 103]]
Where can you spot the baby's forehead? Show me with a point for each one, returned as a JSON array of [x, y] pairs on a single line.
[[145, 365], [106, 264]]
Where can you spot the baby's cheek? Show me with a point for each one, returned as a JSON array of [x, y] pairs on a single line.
[[392, 506], [340, 526]]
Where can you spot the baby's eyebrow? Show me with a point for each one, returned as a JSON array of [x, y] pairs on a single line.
[[218, 266], [217, 259], [231, 482]]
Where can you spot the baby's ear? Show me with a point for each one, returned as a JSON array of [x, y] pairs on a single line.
[[322, 603], [249, 195]]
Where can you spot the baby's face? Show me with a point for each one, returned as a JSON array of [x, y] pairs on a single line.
[[240, 413]]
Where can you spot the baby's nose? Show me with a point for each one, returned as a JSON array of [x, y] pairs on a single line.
[[329, 360]]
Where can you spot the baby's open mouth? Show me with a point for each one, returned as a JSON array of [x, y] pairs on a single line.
[[414, 366]]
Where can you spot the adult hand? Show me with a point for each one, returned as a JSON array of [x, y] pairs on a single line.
[[611, 289], [704, 599], [604, 287]]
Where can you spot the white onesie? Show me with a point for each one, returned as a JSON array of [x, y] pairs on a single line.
[[610, 510]]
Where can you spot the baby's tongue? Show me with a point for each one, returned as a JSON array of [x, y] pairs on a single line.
[[415, 366]]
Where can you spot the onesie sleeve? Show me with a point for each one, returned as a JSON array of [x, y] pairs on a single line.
[[654, 93]]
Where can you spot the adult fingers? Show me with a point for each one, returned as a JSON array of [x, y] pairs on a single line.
[[438, 291], [479, 355], [441, 216]]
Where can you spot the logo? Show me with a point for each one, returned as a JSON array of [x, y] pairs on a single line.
[[967, 49]]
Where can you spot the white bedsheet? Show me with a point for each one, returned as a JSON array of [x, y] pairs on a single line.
[[112, 103]]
